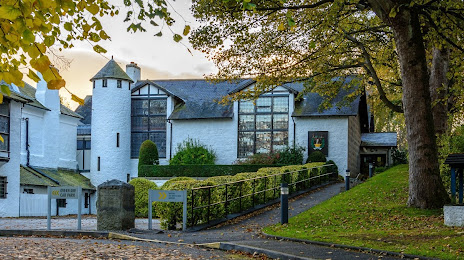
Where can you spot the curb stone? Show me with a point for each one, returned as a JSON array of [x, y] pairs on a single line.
[[61, 233], [362, 249], [253, 250]]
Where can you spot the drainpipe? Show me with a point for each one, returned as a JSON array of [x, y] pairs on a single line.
[[27, 142], [294, 133], [170, 139]]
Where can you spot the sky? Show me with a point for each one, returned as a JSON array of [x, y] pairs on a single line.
[[158, 57]]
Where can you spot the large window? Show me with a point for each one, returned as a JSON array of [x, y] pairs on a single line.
[[263, 126], [149, 122], [4, 128]]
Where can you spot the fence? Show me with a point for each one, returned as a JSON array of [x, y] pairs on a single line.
[[220, 201]]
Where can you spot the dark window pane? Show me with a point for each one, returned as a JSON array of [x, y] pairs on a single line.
[[160, 140], [140, 123], [246, 107], [263, 142], [280, 122], [263, 122], [87, 145], [119, 84], [137, 140], [263, 104], [280, 104], [4, 124], [3, 183], [80, 144], [245, 143], [280, 140], [105, 83], [139, 107], [4, 108], [157, 123], [246, 122], [4, 144], [158, 106]]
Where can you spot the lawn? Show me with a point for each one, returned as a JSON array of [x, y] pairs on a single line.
[[374, 215]]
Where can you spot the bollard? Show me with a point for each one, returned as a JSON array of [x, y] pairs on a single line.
[[283, 203], [347, 179], [371, 170]]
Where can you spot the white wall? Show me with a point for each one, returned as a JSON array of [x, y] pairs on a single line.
[[9, 207], [68, 142], [111, 114], [37, 205], [337, 128], [35, 117]]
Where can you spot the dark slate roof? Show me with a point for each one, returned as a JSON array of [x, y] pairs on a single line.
[[84, 129], [379, 139], [15, 95], [53, 177], [85, 110], [111, 71], [199, 98], [455, 160], [29, 91], [309, 106]]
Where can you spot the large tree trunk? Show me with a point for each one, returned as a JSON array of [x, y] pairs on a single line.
[[439, 89], [426, 189]]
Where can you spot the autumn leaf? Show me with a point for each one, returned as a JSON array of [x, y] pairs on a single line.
[[77, 99], [56, 84]]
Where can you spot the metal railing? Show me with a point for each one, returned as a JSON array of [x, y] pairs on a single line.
[[214, 202]]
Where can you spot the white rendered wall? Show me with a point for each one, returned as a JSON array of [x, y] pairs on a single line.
[[36, 133], [111, 114], [337, 128], [68, 142], [9, 207]]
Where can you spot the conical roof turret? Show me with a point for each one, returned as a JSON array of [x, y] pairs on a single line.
[[111, 71]]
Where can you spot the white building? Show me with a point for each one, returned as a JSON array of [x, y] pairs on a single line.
[[39, 151], [170, 111]]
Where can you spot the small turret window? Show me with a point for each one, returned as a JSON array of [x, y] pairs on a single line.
[[94, 84], [98, 164], [119, 83], [105, 83], [117, 139]]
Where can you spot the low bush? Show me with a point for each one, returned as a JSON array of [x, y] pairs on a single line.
[[260, 158], [142, 186], [316, 156], [196, 170], [167, 183], [193, 152], [291, 155]]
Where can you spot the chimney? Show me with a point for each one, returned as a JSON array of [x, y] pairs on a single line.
[[133, 71], [47, 97]]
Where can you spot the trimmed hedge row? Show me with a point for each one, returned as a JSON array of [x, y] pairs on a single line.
[[196, 170], [261, 183]]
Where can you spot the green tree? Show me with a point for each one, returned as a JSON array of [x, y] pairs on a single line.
[[148, 153], [391, 42], [191, 151]]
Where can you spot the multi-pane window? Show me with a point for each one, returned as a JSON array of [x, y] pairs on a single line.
[[149, 122], [4, 126], [3, 183], [263, 126]]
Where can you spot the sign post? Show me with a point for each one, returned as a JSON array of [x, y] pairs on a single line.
[[167, 196], [64, 192]]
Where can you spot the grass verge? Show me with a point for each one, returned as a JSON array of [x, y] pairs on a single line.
[[374, 215]]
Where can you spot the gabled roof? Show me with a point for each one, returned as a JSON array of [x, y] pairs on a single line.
[[199, 98], [379, 139], [53, 177], [15, 94], [310, 105], [29, 91], [111, 71], [85, 110], [248, 82]]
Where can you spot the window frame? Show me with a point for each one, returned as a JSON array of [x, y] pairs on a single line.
[[4, 183], [7, 134], [104, 83], [119, 83], [255, 114]]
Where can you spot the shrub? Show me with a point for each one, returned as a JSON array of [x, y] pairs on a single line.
[[290, 156], [148, 154], [316, 156], [166, 184], [399, 156], [260, 158], [333, 168], [192, 152], [142, 186]]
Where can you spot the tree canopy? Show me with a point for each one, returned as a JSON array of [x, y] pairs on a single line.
[[409, 52]]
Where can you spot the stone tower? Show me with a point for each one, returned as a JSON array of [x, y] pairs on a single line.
[[111, 124]]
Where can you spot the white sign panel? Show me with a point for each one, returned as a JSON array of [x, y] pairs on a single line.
[[64, 192], [167, 195]]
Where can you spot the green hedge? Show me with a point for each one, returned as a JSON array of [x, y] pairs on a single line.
[[241, 184], [196, 170]]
